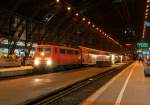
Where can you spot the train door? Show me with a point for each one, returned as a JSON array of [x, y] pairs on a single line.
[[56, 55], [62, 56], [85, 56]]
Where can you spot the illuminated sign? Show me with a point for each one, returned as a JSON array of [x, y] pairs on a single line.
[[146, 52], [142, 44], [129, 44], [147, 24]]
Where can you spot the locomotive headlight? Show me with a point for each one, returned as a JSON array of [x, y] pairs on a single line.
[[36, 62], [49, 62], [42, 54]]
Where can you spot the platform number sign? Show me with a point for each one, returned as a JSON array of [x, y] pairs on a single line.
[[142, 44]]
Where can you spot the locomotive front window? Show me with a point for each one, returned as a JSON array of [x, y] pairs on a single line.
[[76, 52], [44, 49], [39, 49], [69, 51], [47, 49], [62, 51]]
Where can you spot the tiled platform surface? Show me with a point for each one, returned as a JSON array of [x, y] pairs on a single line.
[[130, 87]]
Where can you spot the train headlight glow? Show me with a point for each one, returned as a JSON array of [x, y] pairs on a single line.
[[42, 54], [36, 62], [49, 62]]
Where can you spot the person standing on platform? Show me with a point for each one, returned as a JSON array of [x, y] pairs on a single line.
[[141, 59], [23, 61]]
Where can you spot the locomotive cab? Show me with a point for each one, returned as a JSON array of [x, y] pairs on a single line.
[[43, 57]]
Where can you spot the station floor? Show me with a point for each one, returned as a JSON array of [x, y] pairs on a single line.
[[15, 68], [22, 90], [130, 87], [15, 71]]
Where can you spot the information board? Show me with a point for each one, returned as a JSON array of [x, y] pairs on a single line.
[[142, 44]]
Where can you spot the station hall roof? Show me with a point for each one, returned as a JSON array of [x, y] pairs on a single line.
[[122, 20]]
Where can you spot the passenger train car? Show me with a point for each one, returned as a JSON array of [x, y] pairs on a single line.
[[92, 56], [49, 56]]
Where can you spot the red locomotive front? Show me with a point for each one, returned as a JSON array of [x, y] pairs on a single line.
[[43, 56], [49, 56]]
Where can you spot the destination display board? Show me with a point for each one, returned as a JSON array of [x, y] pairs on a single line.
[[142, 44]]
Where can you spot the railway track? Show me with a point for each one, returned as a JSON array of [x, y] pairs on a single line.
[[67, 95]]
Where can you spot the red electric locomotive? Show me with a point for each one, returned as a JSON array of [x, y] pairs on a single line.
[[49, 56]]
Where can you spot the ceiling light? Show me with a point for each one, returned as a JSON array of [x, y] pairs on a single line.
[[57, 1], [93, 25], [83, 19], [68, 8], [89, 22], [147, 10], [146, 17], [77, 14]]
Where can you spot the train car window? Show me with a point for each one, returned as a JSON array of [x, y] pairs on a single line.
[[73, 52], [76, 52], [47, 49], [69, 51], [62, 51], [39, 49]]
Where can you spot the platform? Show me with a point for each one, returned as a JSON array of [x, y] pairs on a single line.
[[21, 90], [8, 63], [130, 87], [15, 71]]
